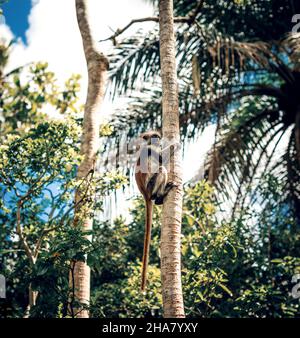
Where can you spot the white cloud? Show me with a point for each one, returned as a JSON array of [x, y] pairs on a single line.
[[53, 35], [195, 153], [5, 32]]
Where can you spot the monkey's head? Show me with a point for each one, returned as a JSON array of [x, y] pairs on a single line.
[[151, 137]]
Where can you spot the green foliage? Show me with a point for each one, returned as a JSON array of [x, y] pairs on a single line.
[[116, 266], [23, 100], [46, 152], [232, 267], [39, 158], [50, 275], [241, 268], [209, 250], [39, 169], [124, 299]]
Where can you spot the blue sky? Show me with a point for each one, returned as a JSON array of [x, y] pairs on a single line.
[[16, 16]]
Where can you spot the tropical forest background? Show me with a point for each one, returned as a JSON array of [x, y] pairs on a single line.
[[239, 75]]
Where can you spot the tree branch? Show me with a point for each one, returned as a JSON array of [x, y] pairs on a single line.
[[21, 236], [189, 19], [60, 224]]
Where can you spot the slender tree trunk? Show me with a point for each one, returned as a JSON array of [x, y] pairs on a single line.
[[297, 142], [297, 134], [97, 65], [32, 296], [172, 209]]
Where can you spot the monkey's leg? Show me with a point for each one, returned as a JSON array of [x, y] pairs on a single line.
[[151, 186], [157, 183]]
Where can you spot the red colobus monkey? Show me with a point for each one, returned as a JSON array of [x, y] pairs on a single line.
[[151, 176]]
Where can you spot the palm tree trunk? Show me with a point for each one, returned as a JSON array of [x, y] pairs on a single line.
[[97, 65], [172, 209]]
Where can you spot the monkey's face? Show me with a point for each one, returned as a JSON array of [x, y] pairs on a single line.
[[151, 138]]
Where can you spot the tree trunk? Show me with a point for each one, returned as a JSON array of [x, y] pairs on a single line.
[[97, 65], [32, 296], [297, 134], [172, 209]]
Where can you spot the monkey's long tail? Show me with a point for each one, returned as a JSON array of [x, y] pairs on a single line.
[[147, 240]]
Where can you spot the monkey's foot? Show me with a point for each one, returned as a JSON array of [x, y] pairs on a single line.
[[160, 199]]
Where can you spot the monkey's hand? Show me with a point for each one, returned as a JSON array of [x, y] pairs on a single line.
[[169, 186]]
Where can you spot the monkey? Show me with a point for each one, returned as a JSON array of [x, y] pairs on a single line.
[[151, 178]]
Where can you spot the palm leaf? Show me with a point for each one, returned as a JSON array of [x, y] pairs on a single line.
[[232, 161]]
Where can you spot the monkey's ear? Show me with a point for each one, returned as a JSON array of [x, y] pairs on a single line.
[[158, 133]]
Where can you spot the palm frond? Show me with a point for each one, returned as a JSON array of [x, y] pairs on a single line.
[[258, 172], [240, 148], [287, 170], [292, 176], [135, 59]]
